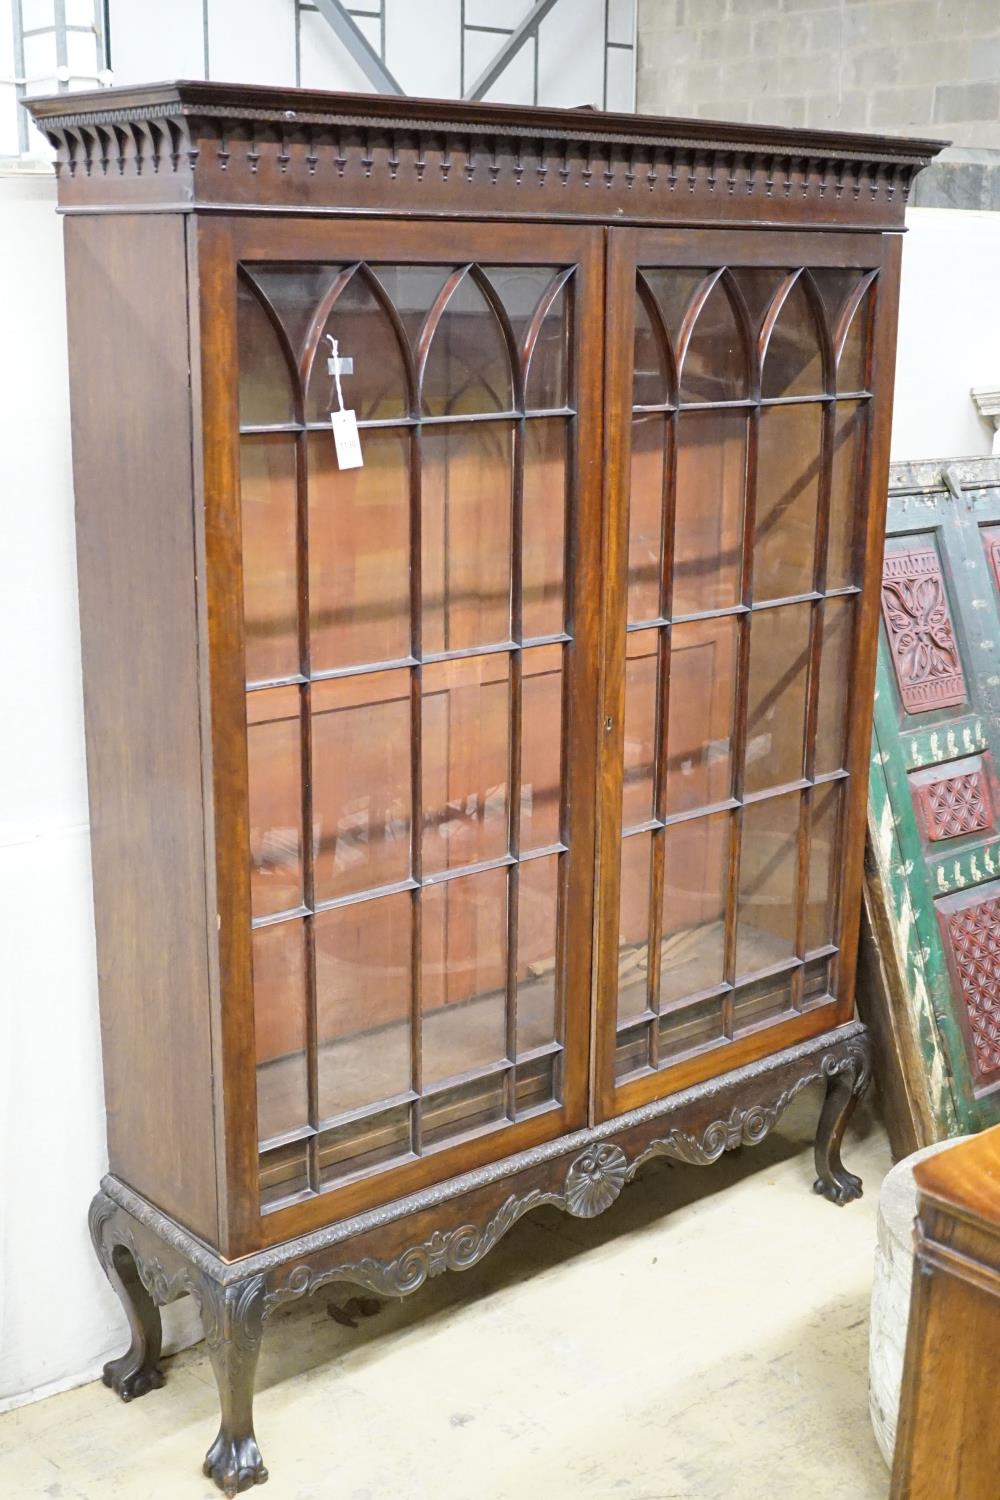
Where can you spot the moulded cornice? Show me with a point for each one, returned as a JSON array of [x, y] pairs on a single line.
[[221, 146], [303, 107]]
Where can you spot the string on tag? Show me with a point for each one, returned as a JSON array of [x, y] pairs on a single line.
[[334, 366]]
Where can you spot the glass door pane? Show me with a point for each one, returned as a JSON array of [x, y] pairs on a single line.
[[733, 637], [415, 676]]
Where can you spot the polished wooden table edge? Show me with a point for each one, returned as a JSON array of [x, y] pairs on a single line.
[[812, 1061], [965, 1180], [947, 1243]]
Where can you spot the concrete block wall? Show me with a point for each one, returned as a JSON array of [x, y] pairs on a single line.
[[929, 67]]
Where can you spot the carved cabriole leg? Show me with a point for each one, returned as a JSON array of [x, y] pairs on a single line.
[[233, 1321], [845, 1083], [583, 1174], [137, 1370], [151, 1265]]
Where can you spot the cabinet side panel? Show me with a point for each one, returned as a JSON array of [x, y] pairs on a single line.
[[130, 390]]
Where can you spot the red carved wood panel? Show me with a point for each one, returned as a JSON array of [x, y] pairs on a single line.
[[971, 927], [958, 805], [953, 800], [921, 635]]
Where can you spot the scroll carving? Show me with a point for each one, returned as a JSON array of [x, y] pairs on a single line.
[[453, 1250], [747, 1126], [921, 634], [594, 1181]]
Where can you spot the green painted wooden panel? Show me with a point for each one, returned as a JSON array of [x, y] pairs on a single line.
[[935, 840]]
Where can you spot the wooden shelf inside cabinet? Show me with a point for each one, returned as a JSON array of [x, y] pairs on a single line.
[[475, 823]]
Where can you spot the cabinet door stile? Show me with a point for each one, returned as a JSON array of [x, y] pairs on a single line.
[[217, 489], [617, 384], [882, 338]]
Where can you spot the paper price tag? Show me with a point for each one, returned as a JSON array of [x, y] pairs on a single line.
[[346, 439]]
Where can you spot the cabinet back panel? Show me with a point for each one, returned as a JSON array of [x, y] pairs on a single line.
[[127, 291]]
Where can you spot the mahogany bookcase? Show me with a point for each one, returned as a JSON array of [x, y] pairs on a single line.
[[474, 825]]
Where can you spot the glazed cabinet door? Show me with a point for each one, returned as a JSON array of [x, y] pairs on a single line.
[[749, 378], [419, 658]]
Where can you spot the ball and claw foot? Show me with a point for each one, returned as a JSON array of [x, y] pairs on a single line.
[[234, 1465], [844, 1085], [840, 1187], [129, 1382]]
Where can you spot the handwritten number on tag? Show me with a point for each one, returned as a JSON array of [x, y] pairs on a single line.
[[346, 439]]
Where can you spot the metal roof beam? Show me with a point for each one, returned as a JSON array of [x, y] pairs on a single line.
[[511, 47], [347, 30]]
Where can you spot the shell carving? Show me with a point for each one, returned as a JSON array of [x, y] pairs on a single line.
[[594, 1180]]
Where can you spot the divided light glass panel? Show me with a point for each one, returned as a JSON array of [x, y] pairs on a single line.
[[746, 508], [406, 630]]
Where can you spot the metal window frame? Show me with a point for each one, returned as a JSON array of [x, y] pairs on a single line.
[[528, 30], [343, 22], [61, 75]]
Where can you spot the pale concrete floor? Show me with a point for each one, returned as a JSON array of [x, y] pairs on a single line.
[[706, 1339]]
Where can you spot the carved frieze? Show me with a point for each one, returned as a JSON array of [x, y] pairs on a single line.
[[235, 1298], [451, 1250], [920, 630]]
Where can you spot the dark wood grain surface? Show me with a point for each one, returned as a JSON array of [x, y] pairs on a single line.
[[132, 454]]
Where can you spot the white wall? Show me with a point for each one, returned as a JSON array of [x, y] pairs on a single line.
[[949, 333], [56, 1317], [54, 1314], [59, 1319]]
